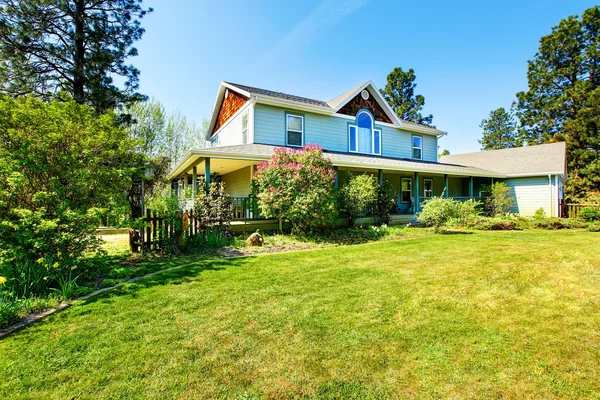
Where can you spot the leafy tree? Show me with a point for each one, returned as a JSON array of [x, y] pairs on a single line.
[[563, 78], [297, 185], [444, 152], [59, 162], [399, 92], [357, 195], [385, 203], [165, 134], [500, 199], [77, 46], [499, 130]]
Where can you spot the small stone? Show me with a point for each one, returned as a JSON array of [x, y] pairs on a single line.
[[255, 239]]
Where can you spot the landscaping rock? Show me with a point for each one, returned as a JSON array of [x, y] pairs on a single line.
[[255, 239]]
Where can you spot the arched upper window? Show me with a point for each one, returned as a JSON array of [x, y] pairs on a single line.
[[364, 137]]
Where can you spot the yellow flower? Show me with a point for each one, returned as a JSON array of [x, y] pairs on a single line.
[[55, 265], [46, 265], [40, 260], [73, 267], [59, 254], [45, 278], [2, 280]]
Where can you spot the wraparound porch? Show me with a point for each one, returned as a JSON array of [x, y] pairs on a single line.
[[411, 188]]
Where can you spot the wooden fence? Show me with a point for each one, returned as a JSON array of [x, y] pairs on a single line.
[[572, 210], [159, 231]]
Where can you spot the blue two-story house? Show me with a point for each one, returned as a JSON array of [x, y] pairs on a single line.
[[360, 133]]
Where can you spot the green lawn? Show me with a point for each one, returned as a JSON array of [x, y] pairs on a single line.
[[484, 315]]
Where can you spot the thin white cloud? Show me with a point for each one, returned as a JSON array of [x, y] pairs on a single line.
[[320, 21]]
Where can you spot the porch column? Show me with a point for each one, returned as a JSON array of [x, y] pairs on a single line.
[[380, 176], [180, 186], [471, 187], [336, 182], [492, 180], [207, 172], [194, 182], [185, 184], [416, 190], [446, 186]]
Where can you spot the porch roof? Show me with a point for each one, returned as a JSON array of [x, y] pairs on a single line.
[[262, 152]]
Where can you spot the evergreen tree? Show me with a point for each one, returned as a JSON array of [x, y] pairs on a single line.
[[499, 130], [73, 46], [399, 92], [563, 77]]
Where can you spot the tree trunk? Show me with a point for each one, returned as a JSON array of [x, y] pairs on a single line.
[[79, 59]]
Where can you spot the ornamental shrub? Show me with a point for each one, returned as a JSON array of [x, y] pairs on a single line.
[[468, 212], [437, 211], [60, 165], [297, 186], [500, 199], [214, 213], [589, 214], [540, 213], [385, 203], [594, 228], [496, 224], [357, 195]]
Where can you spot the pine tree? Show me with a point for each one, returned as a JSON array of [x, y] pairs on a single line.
[[73, 46], [499, 130], [399, 92]]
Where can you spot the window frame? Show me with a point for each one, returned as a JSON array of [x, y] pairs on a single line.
[[415, 147], [430, 190], [374, 129], [287, 130], [410, 190]]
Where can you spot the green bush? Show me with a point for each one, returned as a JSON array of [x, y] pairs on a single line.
[[540, 213], [496, 224], [468, 212], [61, 167], [574, 224], [589, 214], [357, 195], [385, 203], [214, 213], [549, 223], [594, 228], [500, 199], [437, 211]]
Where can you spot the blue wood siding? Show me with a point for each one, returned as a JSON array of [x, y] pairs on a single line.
[[332, 133], [530, 194]]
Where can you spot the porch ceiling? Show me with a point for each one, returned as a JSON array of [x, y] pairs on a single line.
[[220, 165]]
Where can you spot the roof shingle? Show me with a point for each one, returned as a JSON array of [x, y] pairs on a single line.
[[529, 160]]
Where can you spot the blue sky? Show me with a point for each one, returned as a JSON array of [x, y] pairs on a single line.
[[469, 57]]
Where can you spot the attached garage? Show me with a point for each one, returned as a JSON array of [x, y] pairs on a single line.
[[533, 193]]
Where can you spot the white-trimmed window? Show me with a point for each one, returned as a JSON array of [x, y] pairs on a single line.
[[427, 187], [245, 128], [417, 144], [294, 126], [364, 137], [406, 190]]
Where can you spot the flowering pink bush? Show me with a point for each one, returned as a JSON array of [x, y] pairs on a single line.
[[297, 186]]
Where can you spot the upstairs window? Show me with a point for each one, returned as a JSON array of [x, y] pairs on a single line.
[[417, 147], [294, 125], [364, 137]]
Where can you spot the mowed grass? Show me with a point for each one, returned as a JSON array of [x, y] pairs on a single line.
[[484, 315]]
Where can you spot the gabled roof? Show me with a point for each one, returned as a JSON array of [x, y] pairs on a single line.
[[257, 91], [331, 107], [537, 160]]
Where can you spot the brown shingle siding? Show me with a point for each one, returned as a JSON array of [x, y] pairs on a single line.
[[231, 104], [358, 103]]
